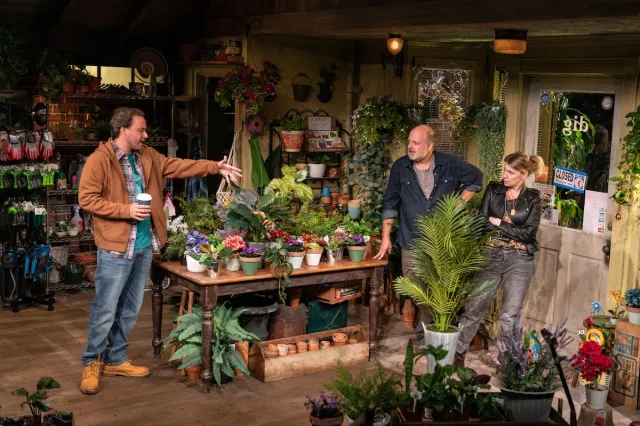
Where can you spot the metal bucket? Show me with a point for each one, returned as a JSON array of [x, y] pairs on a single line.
[[300, 91]]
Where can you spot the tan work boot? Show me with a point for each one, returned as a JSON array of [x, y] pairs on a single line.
[[90, 383], [126, 369]]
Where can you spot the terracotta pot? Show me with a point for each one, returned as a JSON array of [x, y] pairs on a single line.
[[243, 349], [371, 247], [193, 372], [352, 341], [293, 349], [94, 84], [301, 166], [344, 199], [334, 198], [69, 87], [302, 346], [292, 141], [325, 344], [339, 339], [283, 350], [271, 352], [408, 313], [293, 296], [325, 200], [333, 171], [82, 88], [313, 345]]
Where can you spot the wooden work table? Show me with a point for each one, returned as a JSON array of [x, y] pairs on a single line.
[[229, 283]]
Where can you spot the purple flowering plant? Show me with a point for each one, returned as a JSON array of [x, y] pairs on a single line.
[[295, 246], [355, 240], [525, 362], [194, 242], [325, 407], [250, 252]]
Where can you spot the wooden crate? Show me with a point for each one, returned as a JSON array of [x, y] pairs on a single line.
[[284, 367], [625, 381]]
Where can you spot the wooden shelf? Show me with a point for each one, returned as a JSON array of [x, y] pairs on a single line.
[[69, 238], [60, 144], [54, 192], [325, 178], [116, 96]]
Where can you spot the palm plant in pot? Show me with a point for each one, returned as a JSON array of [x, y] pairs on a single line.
[[226, 333], [632, 297], [592, 364], [318, 165], [526, 372], [448, 250], [292, 130]]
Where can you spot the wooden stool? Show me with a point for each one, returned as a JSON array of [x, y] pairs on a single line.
[[588, 416], [181, 311]]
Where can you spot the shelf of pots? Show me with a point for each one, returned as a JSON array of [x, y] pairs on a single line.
[[450, 234], [227, 342]]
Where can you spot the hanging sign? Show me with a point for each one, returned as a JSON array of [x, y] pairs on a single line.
[[570, 179], [544, 99]]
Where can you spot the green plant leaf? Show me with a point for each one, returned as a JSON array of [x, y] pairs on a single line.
[[20, 392], [259, 175]]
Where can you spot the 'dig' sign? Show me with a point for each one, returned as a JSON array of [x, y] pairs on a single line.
[[574, 125], [570, 179]]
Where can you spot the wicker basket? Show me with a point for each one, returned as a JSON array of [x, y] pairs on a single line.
[[85, 258]]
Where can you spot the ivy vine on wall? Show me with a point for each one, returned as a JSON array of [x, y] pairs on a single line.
[[464, 132], [492, 125], [368, 169], [628, 178]]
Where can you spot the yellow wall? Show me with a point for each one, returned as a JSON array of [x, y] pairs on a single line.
[[112, 75]]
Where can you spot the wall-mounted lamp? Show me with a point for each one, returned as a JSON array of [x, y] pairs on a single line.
[[394, 43], [510, 42]]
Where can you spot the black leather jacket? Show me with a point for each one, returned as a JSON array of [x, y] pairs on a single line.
[[525, 220]]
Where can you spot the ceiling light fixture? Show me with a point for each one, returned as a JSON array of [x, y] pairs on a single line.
[[394, 43], [510, 42]]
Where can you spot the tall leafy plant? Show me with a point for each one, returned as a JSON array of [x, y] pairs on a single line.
[[448, 250], [492, 126], [276, 252], [379, 116], [226, 332], [572, 147], [37, 401], [368, 170], [628, 178]]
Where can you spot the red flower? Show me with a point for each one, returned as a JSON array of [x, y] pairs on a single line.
[[278, 233], [591, 362]]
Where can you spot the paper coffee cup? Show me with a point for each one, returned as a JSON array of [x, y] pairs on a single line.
[[144, 199]]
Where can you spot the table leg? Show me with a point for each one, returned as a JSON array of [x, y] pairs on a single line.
[[209, 296], [374, 307], [156, 305]]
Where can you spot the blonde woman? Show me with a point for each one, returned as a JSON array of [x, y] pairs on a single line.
[[514, 211]]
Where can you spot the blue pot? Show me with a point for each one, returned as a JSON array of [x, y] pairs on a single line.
[[354, 212], [326, 192]]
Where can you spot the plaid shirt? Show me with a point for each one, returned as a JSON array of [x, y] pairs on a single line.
[[128, 177]]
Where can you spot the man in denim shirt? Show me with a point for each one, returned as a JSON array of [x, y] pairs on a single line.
[[417, 181]]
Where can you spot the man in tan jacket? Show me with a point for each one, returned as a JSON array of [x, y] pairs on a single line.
[[126, 234]]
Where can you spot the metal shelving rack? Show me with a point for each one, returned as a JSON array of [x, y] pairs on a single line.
[[85, 236]]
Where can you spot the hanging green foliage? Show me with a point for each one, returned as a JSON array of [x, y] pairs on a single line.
[[368, 169], [492, 126], [464, 133], [259, 175], [628, 178], [379, 117]]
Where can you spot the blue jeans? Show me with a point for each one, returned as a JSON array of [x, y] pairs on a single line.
[[119, 292]]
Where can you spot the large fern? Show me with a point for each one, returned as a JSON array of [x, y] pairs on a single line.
[[448, 251], [226, 332]]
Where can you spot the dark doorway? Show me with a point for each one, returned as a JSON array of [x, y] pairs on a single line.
[[220, 127]]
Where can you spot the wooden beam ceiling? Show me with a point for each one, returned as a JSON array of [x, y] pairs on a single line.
[[361, 22], [139, 11]]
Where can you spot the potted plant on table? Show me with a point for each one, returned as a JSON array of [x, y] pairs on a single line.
[[296, 253], [83, 79], [616, 312], [211, 254], [318, 165], [325, 411], [277, 254], [592, 364], [334, 247], [290, 188], [250, 259], [193, 243], [226, 333], [177, 231], [292, 131], [37, 401], [235, 243], [356, 246], [526, 372], [314, 253], [448, 251], [632, 296]]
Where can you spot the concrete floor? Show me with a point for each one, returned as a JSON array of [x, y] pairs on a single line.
[[34, 343]]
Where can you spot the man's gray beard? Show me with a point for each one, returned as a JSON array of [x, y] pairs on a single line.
[[418, 158]]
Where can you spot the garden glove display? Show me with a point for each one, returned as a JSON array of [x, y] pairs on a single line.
[[47, 145], [14, 150], [31, 148], [47, 178]]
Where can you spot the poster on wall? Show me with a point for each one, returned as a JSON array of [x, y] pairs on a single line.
[[547, 193], [570, 179], [595, 212]]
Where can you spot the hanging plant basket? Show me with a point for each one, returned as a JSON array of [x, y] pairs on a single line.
[[300, 90]]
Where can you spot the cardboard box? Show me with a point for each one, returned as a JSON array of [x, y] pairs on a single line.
[[625, 381], [338, 293]]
